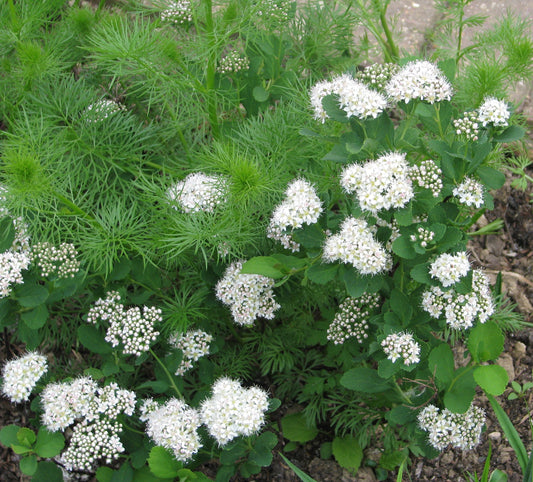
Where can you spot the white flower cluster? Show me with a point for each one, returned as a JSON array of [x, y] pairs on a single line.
[[449, 268], [419, 80], [248, 295], [460, 310], [427, 176], [233, 410], [377, 76], [351, 321], [198, 192], [174, 426], [21, 375], [493, 111], [355, 98], [461, 430], [194, 344], [401, 345], [423, 236], [355, 244], [233, 62], [12, 264], [301, 206], [94, 409], [380, 184], [101, 110], [135, 330], [467, 126], [146, 408], [179, 11], [274, 10], [60, 262], [470, 192]]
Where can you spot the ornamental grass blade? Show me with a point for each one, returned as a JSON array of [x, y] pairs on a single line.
[[300, 473]]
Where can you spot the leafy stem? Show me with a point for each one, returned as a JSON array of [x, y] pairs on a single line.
[[168, 374]]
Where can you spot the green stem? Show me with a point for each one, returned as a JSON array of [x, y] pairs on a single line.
[[131, 429], [459, 36], [401, 392], [437, 119], [211, 69], [77, 210], [392, 48], [168, 374]]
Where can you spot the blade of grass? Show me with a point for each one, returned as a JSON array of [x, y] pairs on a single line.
[[300, 473]]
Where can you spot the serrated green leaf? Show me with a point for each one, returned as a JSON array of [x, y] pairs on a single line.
[[93, 340], [322, 273], [28, 465], [162, 464], [104, 474], [347, 452], [491, 378], [35, 318], [31, 295], [49, 444], [295, 429], [8, 435], [26, 437], [47, 472]]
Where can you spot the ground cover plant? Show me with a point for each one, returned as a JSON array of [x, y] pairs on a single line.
[[212, 213]]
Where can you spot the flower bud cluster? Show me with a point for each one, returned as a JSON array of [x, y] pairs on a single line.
[[131, 328], [233, 410], [174, 426], [248, 295], [60, 262], [449, 268], [427, 176], [102, 109], [21, 375], [377, 76], [380, 184], [179, 12], [351, 321], [301, 206], [274, 10], [423, 236], [460, 310], [355, 98], [198, 192], [194, 344], [146, 408], [401, 345], [355, 244], [467, 126], [493, 111], [461, 430], [233, 62], [470, 192], [419, 80]]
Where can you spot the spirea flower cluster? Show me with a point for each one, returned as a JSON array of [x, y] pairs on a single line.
[[450, 268], [428, 176], [355, 98], [233, 62], [134, 329], [274, 10], [12, 264], [419, 80], [401, 345], [380, 184], [194, 344], [60, 262], [377, 76], [174, 426], [351, 321], [470, 192], [301, 206], [179, 12], [355, 244], [467, 126], [423, 236], [233, 410], [461, 430], [198, 192], [21, 375], [102, 109], [249, 296], [493, 111]]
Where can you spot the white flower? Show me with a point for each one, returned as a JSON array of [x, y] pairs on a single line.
[[401, 345], [469, 192], [428, 176], [468, 126], [233, 62], [233, 410], [248, 295], [102, 109], [194, 344], [21, 375], [493, 111], [198, 192], [12, 264], [179, 12], [419, 80], [449, 268], [60, 262], [174, 426], [380, 184]]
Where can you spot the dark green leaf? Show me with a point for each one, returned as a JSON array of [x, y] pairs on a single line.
[[47, 472], [347, 452], [403, 247], [511, 134], [7, 233], [492, 178], [8, 435], [104, 474], [441, 363], [28, 465], [322, 273], [295, 429], [93, 340], [355, 283], [461, 391], [35, 318], [124, 474], [31, 295], [362, 379], [49, 444], [331, 106]]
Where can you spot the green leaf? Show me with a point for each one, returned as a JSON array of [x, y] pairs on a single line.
[[310, 236], [300, 473], [263, 265], [124, 474], [163, 464], [391, 460], [104, 474], [386, 369], [448, 67], [404, 216], [47, 472], [267, 440], [7, 233], [232, 452], [260, 94], [403, 247], [485, 342], [31, 295], [461, 391], [491, 378], [355, 283], [295, 429], [8, 435], [322, 273], [401, 305], [347, 452], [440, 363], [20, 449], [492, 178], [420, 273], [93, 340], [35, 318], [363, 379], [338, 153], [28, 465], [26, 437], [331, 106], [49, 444], [511, 134]]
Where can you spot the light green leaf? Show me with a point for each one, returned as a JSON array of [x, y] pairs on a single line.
[[485, 342], [163, 464], [49, 444], [28, 465], [295, 429], [491, 378], [347, 452]]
